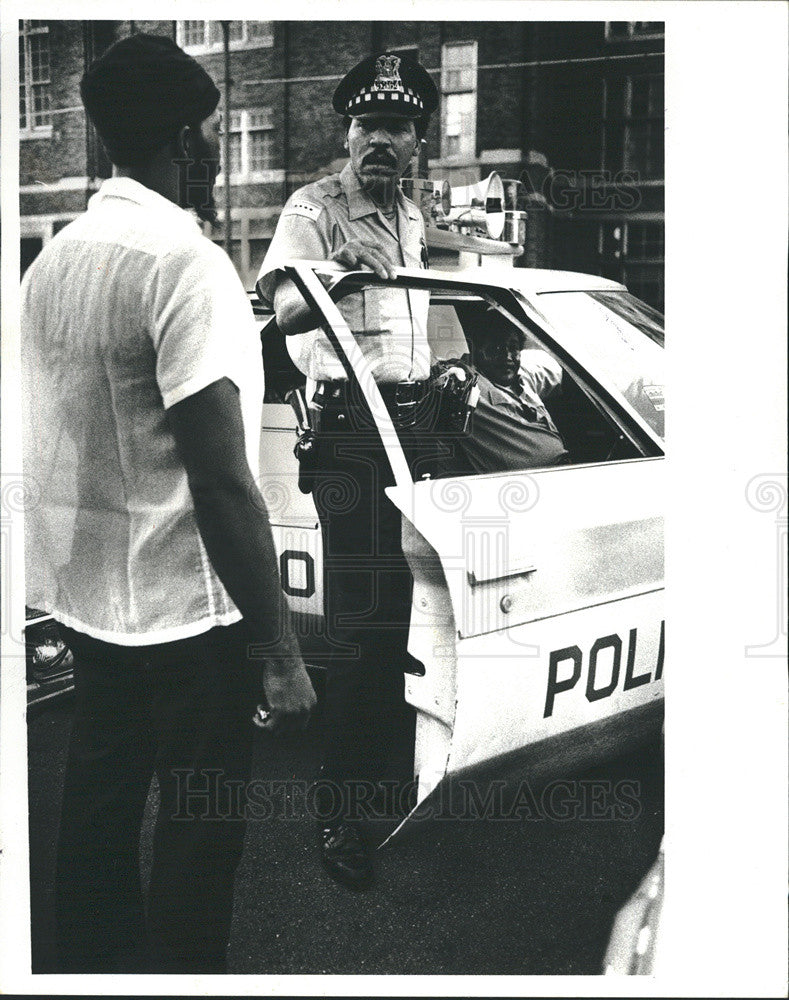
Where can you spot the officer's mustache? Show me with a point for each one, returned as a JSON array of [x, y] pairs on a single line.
[[379, 159]]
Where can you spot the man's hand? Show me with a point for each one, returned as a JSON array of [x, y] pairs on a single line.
[[444, 370], [358, 254], [289, 695]]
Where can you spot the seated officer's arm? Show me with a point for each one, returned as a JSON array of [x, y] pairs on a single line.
[[235, 529], [542, 370]]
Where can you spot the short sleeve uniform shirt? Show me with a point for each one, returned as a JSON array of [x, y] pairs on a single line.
[[391, 323], [511, 428], [126, 312]]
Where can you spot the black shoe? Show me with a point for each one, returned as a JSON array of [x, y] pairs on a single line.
[[345, 855]]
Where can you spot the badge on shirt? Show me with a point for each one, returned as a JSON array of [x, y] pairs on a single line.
[[305, 208]]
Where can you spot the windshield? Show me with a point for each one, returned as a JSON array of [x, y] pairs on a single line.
[[618, 337]]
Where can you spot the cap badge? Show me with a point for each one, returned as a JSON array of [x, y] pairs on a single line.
[[387, 73]]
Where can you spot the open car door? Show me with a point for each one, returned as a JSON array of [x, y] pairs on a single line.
[[537, 609]]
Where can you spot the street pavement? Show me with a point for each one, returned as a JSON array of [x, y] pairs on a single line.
[[529, 895]]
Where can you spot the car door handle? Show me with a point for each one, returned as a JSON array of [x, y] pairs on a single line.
[[478, 576]]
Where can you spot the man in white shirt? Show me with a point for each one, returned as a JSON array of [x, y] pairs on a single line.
[[151, 545]]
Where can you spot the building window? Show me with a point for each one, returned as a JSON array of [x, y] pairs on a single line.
[[634, 126], [34, 79], [206, 36], [251, 142], [617, 31], [459, 103], [634, 253]]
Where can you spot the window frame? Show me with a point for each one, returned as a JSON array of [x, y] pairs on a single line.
[[516, 306], [27, 83], [208, 46], [246, 175], [626, 264], [619, 122], [469, 153], [634, 34]]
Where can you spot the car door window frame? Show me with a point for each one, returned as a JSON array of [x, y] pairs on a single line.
[[315, 280]]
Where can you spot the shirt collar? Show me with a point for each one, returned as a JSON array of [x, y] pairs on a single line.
[[359, 201], [126, 189]]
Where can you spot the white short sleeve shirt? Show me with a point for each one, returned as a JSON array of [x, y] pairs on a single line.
[[126, 312]]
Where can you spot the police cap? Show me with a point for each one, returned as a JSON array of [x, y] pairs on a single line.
[[386, 85]]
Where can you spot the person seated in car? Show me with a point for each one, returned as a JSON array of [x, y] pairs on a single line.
[[510, 428]]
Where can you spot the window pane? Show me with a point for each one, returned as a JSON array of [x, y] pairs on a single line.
[[41, 105], [235, 121], [645, 242], [193, 32], [646, 96], [260, 29], [260, 118], [459, 67], [639, 99], [614, 98], [39, 58], [644, 148], [22, 108], [260, 151], [460, 124], [235, 153]]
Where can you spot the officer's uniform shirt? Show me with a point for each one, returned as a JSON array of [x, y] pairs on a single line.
[[511, 429], [392, 322]]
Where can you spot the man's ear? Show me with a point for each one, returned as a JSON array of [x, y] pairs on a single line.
[[184, 142]]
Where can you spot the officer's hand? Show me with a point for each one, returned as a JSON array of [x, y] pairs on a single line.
[[358, 254], [442, 371], [289, 695]]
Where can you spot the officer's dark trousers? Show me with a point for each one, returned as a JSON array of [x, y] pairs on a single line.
[[367, 594], [181, 710]]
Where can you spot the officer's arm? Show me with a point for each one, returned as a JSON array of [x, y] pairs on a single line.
[[304, 233], [292, 312], [235, 529], [542, 370]]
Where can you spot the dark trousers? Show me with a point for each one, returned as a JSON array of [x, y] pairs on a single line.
[[180, 710], [369, 728]]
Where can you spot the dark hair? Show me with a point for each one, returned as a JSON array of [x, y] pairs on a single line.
[[420, 124]]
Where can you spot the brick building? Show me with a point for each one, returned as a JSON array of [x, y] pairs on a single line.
[[573, 109]]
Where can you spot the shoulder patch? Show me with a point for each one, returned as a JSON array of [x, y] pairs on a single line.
[[300, 206]]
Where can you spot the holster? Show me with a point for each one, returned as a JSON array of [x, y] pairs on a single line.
[[456, 398], [305, 448], [305, 451]]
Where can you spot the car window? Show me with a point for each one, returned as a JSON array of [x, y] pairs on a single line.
[[528, 410], [619, 337]]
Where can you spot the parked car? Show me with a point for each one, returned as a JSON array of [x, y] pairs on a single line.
[[537, 631], [537, 628]]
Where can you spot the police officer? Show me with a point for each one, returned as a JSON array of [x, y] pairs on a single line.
[[360, 219]]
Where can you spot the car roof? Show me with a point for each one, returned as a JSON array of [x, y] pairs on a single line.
[[534, 280], [528, 280]]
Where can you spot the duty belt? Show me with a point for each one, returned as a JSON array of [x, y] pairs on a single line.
[[401, 398]]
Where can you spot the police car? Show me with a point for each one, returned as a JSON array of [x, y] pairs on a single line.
[[537, 634], [537, 630]]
